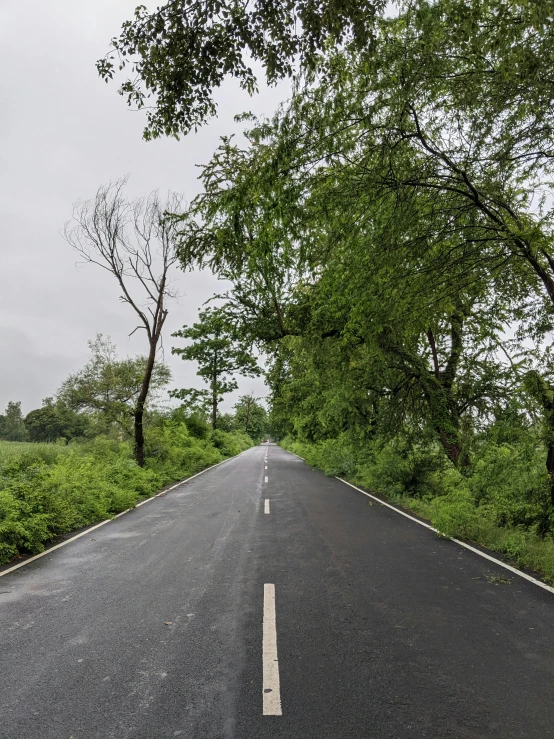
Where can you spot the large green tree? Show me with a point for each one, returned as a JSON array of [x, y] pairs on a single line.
[[220, 355], [55, 421], [251, 417], [108, 388]]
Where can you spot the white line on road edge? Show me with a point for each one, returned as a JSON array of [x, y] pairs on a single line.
[[302, 458], [266, 507], [177, 484], [103, 523], [266, 478], [271, 687], [499, 562]]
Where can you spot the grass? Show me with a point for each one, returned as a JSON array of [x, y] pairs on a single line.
[[9, 450], [47, 490]]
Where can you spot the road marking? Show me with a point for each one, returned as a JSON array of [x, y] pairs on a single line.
[[266, 508], [302, 458], [271, 686], [103, 523], [266, 466], [499, 562], [266, 478]]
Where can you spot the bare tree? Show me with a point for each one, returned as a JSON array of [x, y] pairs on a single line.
[[135, 242]]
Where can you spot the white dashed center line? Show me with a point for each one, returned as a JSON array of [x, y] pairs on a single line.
[[271, 687], [266, 508], [266, 478]]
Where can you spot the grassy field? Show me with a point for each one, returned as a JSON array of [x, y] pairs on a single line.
[[11, 449]]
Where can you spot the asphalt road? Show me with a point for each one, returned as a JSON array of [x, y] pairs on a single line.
[[153, 625]]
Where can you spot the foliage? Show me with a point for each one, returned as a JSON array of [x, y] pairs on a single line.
[[209, 41], [107, 388], [55, 421], [220, 354], [251, 417], [12, 426], [47, 489], [47, 451]]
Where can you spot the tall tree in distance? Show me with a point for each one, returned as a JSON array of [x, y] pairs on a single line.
[[251, 416], [12, 426], [220, 354], [55, 421], [135, 242]]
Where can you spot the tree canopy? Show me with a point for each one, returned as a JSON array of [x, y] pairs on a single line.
[[12, 426], [220, 355], [388, 233], [107, 387], [179, 54]]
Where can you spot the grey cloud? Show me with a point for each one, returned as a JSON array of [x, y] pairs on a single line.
[[64, 133]]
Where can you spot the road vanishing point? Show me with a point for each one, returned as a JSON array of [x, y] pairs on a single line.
[[263, 599]]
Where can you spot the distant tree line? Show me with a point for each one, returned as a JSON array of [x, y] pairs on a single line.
[[101, 398]]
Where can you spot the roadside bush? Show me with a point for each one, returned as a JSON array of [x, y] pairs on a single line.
[[172, 453], [456, 514], [513, 481], [332, 456], [47, 490], [501, 502], [230, 443], [402, 467]]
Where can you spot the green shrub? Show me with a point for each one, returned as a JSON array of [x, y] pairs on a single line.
[[402, 467], [513, 481], [230, 443], [333, 456], [456, 514], [47, 490], [502, 501]]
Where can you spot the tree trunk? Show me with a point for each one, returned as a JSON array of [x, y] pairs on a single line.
[[550, 468], [214, 401], [214, 409], [141, 401], [543, 392], [453, 450], [549, 434], [214, 390]]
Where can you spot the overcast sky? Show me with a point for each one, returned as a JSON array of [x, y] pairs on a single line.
[[63, 133]]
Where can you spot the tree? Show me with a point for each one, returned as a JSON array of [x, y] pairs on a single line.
[[108, 388], [181, 52], [220, 354], [133, 241], [12, 426], [251, 416], [391, 329], [54, 421]]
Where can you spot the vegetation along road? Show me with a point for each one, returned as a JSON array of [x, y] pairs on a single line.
[[262, 599]]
